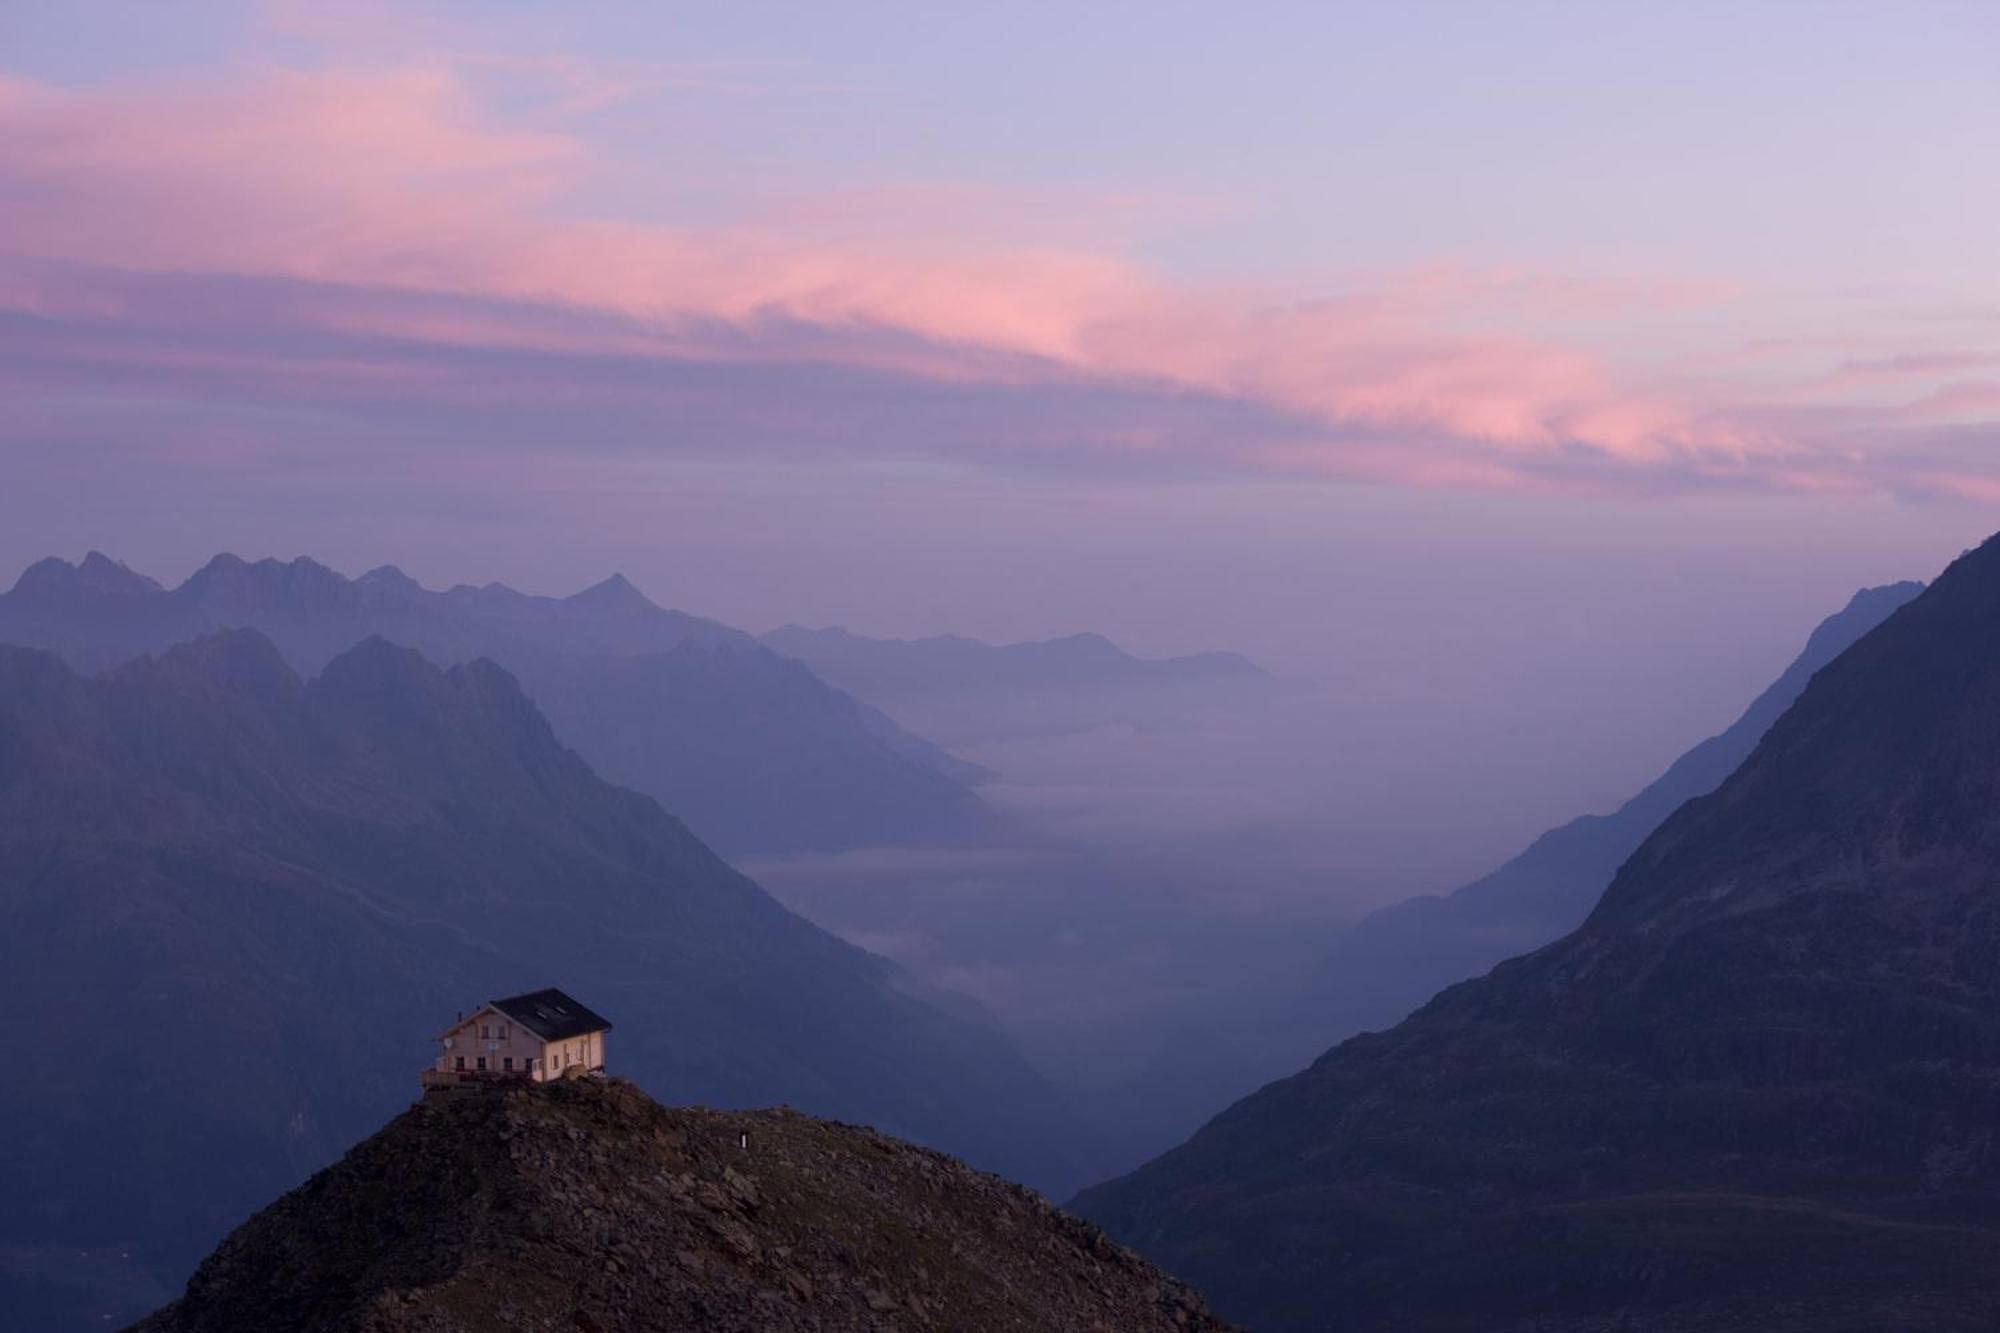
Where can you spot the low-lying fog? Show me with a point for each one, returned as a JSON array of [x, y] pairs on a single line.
[[1149, 893]]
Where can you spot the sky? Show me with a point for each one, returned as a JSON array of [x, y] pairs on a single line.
[[1535, 373]]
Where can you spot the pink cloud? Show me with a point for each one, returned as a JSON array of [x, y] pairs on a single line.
[[403, 181]]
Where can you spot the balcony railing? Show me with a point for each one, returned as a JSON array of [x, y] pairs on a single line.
[[446, 1078]]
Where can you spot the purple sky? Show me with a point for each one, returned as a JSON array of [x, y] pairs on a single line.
[[1498, 365]]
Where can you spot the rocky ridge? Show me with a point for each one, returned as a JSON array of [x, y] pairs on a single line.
[[586, 1205]]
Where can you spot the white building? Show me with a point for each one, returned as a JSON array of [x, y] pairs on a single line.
[[539, 1036]]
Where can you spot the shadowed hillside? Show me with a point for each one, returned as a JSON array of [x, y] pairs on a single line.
[[1756, 1088]]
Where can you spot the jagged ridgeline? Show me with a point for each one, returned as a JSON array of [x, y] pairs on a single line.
[[585, 1205], [1757, 1088], [752, 749], [238, 904]]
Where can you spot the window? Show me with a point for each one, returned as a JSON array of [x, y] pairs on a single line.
[[503, 1032], [507, 1063], [482, 1062], [485, 1032], [459, 1062]]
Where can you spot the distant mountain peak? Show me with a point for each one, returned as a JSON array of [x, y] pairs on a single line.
[[103, 574], [99, 573], [221, 563], [230, 574], [615, 594], [395, 691], [390, 578], [44, 572]]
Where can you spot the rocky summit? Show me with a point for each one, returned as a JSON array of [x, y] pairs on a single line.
[[585, 1205]]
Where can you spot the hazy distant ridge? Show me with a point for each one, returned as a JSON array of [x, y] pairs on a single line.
[[751, 748], [965, 691], [948, 662]]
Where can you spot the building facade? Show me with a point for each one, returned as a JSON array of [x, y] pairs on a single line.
[[535, 1037]]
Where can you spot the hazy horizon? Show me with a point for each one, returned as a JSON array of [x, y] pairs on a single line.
[[1337, 338], [1449, 674]]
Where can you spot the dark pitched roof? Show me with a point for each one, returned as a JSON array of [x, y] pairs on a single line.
[[551, 1015]]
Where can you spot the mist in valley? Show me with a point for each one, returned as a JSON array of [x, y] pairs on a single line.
[[1158, 876]]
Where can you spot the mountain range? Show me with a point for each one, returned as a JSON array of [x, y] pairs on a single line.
[[585, 1205], [236, 904], [1756, 1088], [965, 691], [752, 749]]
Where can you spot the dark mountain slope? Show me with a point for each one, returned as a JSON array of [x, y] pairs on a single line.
[[1756, 1089], [584, 1205], [755, 752], [253, 898], [1394, 959]]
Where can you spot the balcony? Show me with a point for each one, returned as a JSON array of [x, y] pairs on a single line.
[[435, 1079]]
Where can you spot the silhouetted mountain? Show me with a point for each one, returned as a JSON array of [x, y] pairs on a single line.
[[584, 1205], [1395, 958], [755, 752], [236, 905], [1757, 1088], [972, 691]]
